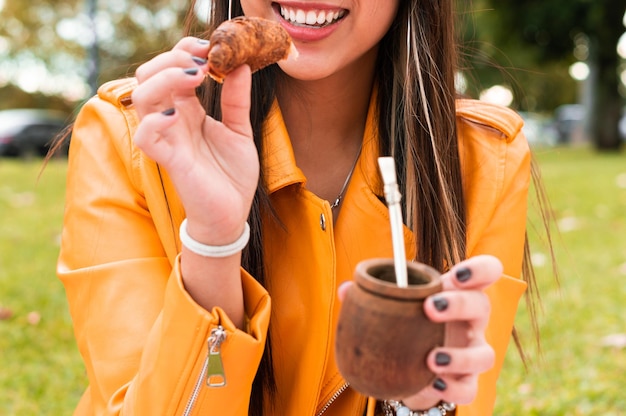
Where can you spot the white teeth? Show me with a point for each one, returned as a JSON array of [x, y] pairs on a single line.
[[311, 17], [321, 18], [300, 17]]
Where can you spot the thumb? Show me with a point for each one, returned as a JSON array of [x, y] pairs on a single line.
[[236, 100], [343, 289]]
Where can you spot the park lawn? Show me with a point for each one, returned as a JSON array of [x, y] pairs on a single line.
[[41, 372], [40, 369], [578, 372]]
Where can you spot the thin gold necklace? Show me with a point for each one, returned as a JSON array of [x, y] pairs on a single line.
[[345, 184]]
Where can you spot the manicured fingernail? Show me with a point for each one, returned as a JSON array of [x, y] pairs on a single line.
[[442, 359], [463, 274], [203, 41], [198, 60], [191, 71], [441, 304], [169, 112], [440, 385]]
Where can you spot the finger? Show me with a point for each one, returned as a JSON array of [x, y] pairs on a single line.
[[187, 52], [343, 290], [193, 45], [166, 87], [151, 134], [236, 101], [461, 361], [459, 390], [456, 305], [475, 273]]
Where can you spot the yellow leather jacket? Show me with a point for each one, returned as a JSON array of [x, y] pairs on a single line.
[[144, 340]]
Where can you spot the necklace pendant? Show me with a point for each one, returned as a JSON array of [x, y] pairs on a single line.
[[336, 203]]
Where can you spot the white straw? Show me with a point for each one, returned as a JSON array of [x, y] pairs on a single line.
[[392, 196]]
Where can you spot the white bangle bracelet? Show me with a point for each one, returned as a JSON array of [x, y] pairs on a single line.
[[213, 251]]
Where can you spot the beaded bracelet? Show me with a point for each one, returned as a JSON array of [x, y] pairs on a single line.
[[213, 251], [395, 408]]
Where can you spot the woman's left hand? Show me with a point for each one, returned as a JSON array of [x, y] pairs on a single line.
[[465, 308]]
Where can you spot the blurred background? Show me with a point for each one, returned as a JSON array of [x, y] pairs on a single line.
[[560, 63]]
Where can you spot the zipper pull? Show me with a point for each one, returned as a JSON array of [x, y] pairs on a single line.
[[215, 370]]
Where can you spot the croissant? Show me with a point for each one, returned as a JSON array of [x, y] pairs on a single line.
[[254, 41]]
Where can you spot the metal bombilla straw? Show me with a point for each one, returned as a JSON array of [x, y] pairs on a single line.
[[393, 197]]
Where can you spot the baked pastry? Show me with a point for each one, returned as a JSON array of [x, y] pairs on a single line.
[[242, 40]]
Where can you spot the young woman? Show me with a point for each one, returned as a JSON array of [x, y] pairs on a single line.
[[289, 155]]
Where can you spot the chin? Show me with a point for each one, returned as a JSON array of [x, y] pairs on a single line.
[[306, 71]]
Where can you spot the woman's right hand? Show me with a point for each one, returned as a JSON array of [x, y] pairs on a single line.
[[213, 165]]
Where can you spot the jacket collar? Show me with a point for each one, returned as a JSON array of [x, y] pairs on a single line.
[[278, 160]]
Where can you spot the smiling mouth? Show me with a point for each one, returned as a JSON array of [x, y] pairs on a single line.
[[311, 18]]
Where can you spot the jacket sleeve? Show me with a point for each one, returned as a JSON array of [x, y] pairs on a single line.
[[497, 203], [142, 337]]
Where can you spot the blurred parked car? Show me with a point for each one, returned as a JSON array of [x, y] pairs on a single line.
[[29, 132], [538, 129], [568, 121]]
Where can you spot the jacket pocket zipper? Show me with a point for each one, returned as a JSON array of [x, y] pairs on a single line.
[[212, 370], [333, 398]]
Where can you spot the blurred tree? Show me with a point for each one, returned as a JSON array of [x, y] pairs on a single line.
[[44, 44], [21, 99], [490, 59], [541, 36]]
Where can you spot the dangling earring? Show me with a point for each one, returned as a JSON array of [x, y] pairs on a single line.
[[230, 9]]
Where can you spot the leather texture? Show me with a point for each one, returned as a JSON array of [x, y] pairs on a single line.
[[144, 340]]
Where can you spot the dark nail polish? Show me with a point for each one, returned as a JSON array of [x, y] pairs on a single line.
[[198, 60], [169, 112], [440, 385], [463, 274], [191, 71], [442, 359], [441, 304]]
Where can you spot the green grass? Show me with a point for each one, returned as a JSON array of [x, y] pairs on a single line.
[[41, 372], [40, 369], [576, 374]]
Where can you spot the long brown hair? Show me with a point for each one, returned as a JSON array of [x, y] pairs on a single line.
[[416, 110], [417, 64]]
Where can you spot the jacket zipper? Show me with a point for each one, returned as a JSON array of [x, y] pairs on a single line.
[[212, 369], [332, 399]]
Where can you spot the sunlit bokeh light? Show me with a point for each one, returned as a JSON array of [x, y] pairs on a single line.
[[4, 45], [498, 94], [621, 46], [579, 71], [76, 29], [203, 10], [460, 83]]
